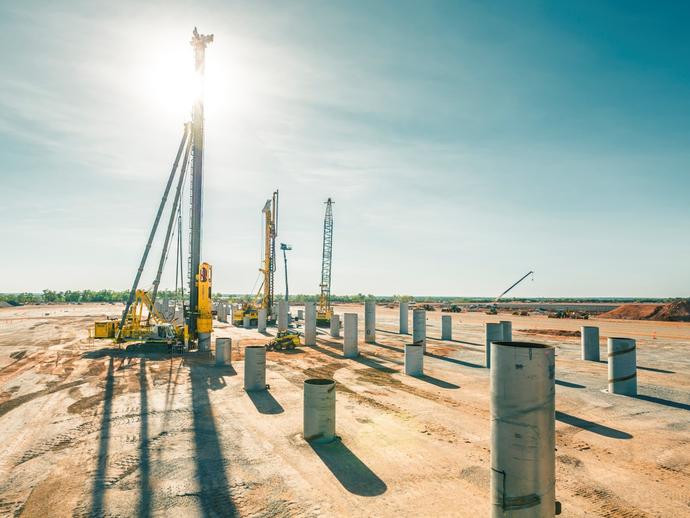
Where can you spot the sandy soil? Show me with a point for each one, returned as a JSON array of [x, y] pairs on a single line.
[[87, 429]]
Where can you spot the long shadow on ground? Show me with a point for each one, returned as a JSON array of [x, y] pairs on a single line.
[[592, 426], [665, 402], [430, 338], [437, 382], [350, 471], [654, 369], [99, 481], [214, 492], [265, 403], [144, 461], [437, 356], [569, 384], [373, 364]]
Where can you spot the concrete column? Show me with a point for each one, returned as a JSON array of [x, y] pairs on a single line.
[[493, 333], [446, 327], [300, 314], [309, 323], [507, 330], [263, 314], [335, 326], [223, 351], [414, 359], [254, 368], [589, 338], [419, 327], [350, 349], [622, 359], [523, 431], [282, 315], [370, 321], [204, 341], [246, 322], [319, 410], [404, 314]]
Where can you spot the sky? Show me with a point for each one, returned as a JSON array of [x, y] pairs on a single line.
[[463, 142]]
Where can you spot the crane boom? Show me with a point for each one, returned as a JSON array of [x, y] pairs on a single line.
[[324, 311], [171, 220], [161, 206], [518, 282]]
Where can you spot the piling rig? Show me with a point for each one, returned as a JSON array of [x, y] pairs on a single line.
[[195, 326], [265, 296], [324, 311]]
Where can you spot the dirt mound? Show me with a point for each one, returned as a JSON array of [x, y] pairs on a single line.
[[550, 332], [676, 311]]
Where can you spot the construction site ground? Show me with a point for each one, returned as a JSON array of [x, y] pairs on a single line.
[[89, 429]]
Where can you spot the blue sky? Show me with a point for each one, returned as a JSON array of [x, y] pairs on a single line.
[[464, 143]]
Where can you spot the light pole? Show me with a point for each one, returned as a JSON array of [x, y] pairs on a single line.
[[285, 247]]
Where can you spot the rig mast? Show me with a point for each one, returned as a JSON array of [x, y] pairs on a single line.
[[199, 43]]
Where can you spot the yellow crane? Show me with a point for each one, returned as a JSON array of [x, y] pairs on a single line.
[[196, 326], [265, 295]]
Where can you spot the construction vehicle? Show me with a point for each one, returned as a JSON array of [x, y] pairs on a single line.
[[139, 326], [284, 340], [140, 319], [324, 312], [264, 296], [493, 308]]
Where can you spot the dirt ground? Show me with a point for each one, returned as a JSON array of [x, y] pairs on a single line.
[[87, 429]]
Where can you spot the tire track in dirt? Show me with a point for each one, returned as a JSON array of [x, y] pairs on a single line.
[[11, 404], [607, 504], [83, 431]]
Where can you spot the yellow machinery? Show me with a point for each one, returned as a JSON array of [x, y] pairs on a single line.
[[105, 328], [284, 340], [138, 325], [135, 324], [324, 312], [204, 320], [264, 297], [151, 326]]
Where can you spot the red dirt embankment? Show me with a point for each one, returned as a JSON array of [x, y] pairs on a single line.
[[676, 311]]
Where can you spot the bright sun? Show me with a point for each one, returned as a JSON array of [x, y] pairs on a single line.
[[166, 80]]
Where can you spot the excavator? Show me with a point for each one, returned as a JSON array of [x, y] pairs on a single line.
[[324, 312], [264, 296]]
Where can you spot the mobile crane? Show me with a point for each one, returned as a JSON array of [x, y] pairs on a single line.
[[493, 309], [265, 295], [197, 324], [324, 311]]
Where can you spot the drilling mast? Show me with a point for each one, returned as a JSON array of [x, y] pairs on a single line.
[[270, 212], [199, 43], [324, 311]]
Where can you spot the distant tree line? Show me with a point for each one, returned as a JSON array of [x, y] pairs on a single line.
[[71, 296], [77, 296]]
